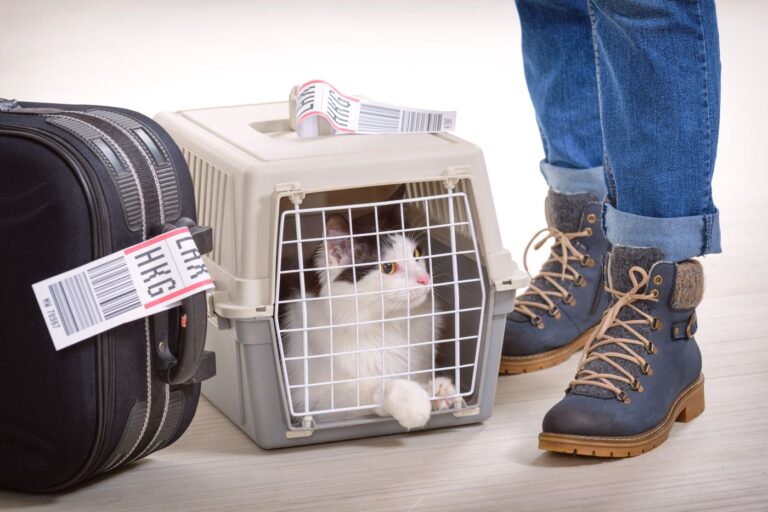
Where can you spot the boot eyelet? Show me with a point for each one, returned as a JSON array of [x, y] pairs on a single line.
[[636, 386], [658, 280], [591, 218], [624, 397], [656, 324], [646, 369], [588, 231], [538, 322], [580, 281], [652, 348], [655, 293], [554, 312], [569, 299]]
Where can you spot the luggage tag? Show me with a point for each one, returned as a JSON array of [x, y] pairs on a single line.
[[133, 283], [317, 102]]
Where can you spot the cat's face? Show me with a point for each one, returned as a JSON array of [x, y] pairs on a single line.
[[400, 276]]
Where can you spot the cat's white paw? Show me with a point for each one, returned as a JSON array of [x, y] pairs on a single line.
[[407, 402], [443, 388]]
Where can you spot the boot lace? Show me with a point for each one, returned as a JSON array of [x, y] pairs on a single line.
[[565, 257], [601, 338]]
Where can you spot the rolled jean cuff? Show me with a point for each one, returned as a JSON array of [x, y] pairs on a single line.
[[680, 238], [575, 181]]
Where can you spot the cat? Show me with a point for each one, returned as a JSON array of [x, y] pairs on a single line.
[[360, 339]]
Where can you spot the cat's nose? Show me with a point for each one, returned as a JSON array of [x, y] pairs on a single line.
[[423, 279]]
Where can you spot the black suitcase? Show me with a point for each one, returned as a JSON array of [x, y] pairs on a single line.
[[78, 183]]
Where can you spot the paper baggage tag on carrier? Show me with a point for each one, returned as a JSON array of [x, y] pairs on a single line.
[[133, 283], [350, 114]]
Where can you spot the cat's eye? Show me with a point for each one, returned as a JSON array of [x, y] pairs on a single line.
[[388, 268], [416, 253]]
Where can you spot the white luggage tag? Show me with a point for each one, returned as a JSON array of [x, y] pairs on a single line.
[[133, 283], [318, 108]]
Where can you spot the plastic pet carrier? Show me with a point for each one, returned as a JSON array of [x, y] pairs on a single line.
[[355, 275]]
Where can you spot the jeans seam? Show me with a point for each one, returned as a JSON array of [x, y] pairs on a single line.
[[610, 183], [708, 187]]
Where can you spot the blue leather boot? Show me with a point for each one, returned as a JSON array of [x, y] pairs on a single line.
[[642, 371], [554, 317]]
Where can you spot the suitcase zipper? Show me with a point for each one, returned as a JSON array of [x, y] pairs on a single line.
[[100, 230], [152, 154]]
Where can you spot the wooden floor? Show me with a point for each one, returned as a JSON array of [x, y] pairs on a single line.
[[718, 462]]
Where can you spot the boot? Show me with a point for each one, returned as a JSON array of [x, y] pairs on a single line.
[[554, 317], [642, 370]]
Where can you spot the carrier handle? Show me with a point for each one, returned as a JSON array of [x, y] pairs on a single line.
[[191, 363]]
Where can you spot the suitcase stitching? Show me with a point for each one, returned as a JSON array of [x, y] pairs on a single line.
[[126, 161], [146, 156], [63, 121], [130, 167], [164, 167], [166, 387]]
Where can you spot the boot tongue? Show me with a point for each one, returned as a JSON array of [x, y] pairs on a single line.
[[564, 210], [623, 258], [620, 260]]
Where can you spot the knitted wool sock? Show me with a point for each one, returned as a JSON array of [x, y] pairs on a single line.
[[563, 212]]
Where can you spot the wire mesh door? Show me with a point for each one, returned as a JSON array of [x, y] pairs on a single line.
[[368, 293]]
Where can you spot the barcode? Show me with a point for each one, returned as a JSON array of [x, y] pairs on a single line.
[[375, 118], [421, 122], [82, 304]]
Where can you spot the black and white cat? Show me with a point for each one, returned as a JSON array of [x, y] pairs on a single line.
[[380, 289]]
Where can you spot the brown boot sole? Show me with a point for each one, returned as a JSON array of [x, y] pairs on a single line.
[[688, 405], [513, 365]]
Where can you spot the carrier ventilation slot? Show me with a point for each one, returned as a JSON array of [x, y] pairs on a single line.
[[211, 187], [433, 188]]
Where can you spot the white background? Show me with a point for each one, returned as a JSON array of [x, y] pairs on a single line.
[[463, 55]]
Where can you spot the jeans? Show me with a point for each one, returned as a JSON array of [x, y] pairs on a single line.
[[633, 85]]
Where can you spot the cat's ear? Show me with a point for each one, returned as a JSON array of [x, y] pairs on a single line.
[[338, 248], [390, 217]]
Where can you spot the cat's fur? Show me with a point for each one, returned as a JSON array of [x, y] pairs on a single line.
[[408, 401]]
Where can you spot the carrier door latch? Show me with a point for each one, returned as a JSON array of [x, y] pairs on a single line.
[[307, 428], [292, 190], [455, 173]]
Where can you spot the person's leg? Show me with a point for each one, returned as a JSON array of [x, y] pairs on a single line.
[[659, 79], [565, 299], [559, 68], [658, 74]]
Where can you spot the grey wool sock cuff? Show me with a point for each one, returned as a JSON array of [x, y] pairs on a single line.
[[623, 258], [564, 210], [688, 289]]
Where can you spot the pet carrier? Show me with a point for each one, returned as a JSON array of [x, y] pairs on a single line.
[[293, 313]]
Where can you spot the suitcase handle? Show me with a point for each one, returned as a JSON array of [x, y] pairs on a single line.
[[191, 363]]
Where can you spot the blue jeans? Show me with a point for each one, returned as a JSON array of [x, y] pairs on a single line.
[[627, 99]]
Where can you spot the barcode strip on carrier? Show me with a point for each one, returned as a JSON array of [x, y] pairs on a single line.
[[375, 118], [421, 122], [100, 293]]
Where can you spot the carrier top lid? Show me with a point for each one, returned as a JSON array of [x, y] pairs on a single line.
[[263, 132]]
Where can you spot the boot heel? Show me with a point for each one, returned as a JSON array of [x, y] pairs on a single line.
[[694, 405]]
